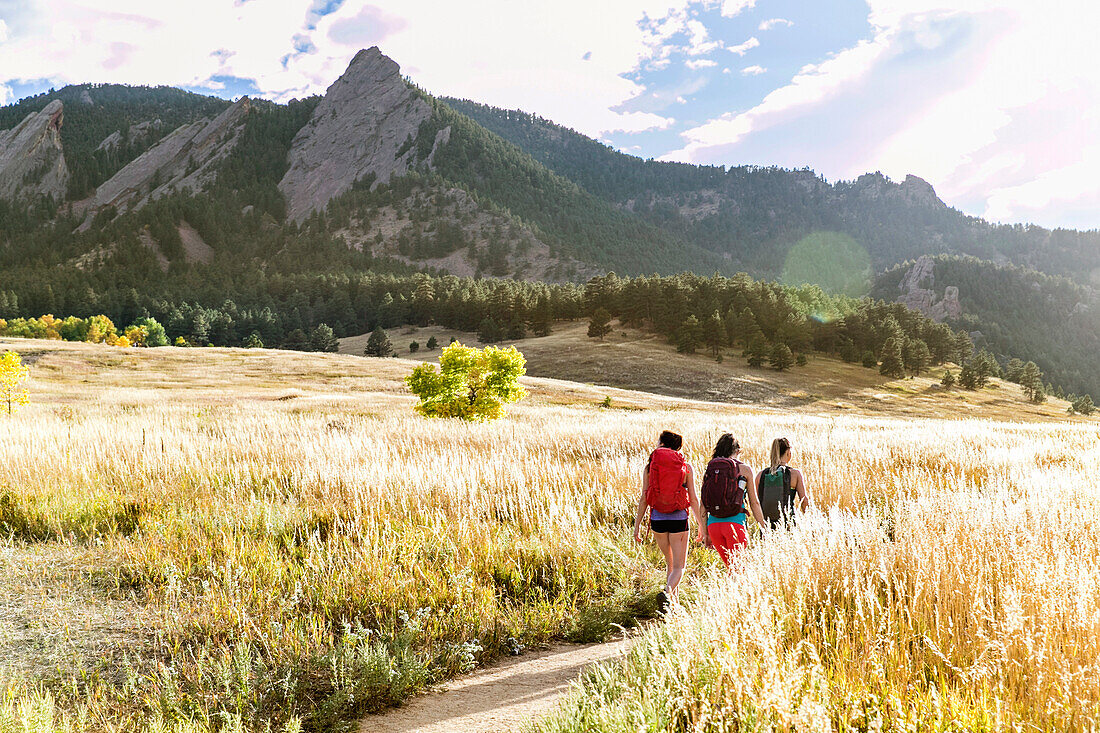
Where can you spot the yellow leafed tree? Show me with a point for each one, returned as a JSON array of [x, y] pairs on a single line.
[[13, 379]]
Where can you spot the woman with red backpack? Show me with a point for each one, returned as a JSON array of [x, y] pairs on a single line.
[[726, 486], [668, 490]]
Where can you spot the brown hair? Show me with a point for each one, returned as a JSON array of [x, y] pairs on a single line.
[[727, 445], [779, 447]]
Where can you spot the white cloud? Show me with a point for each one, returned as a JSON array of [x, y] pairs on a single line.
[[770, 23], [7, 96], [992, 101], [3, 31], [700, 63], [481, 50], [754, 70], [743, 48], [731, 8]]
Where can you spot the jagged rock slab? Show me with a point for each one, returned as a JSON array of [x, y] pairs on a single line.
[[31, 158], [185, 159], [358, 129], [917, 292], [136, 133]]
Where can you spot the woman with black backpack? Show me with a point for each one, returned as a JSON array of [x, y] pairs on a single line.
[[778, 485], [725, 489]]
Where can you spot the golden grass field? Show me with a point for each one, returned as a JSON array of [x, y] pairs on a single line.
[[221, 539]]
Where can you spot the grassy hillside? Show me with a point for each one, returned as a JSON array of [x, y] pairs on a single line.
[[250, 538], [636, 360]]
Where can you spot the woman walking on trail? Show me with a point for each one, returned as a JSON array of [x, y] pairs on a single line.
[[668, 490], [778, 485], [725, 497]]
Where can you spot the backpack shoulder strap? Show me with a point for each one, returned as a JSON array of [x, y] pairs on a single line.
[[787, 478]]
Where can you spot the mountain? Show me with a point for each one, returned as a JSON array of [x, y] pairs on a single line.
[[755, 215], [136, 200], [1010, 310]]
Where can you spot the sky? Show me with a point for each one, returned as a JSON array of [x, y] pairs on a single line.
[[994, 102]]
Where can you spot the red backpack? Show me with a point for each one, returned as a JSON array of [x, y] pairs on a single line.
[[722, 494], [666, 492]]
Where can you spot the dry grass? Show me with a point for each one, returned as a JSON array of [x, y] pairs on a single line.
[[960, 593], [296, 546], [639, 360]]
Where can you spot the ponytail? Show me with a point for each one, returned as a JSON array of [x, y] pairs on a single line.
[[780, 446]]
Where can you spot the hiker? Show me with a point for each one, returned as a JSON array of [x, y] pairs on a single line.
[[723, 498], [668, 489], [779, 484]]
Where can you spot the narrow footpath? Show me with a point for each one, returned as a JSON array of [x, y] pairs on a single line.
[[500, 698]]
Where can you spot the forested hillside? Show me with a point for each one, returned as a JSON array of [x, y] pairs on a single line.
[[476, 191], [754, 215], [1015, 311]]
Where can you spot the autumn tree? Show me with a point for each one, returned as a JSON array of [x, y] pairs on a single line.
[[13, 379], [471, 383]]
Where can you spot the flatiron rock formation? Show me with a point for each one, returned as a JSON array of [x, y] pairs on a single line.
[[361, 127], [918, 292], [185, 159], [31, 159]]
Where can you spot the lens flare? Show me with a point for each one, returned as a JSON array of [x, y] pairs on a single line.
[[833, 261]]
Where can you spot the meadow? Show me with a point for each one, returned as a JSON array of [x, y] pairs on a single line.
[[251, 540]]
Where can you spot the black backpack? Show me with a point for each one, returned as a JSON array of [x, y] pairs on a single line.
[[776, 494], [723, 495]]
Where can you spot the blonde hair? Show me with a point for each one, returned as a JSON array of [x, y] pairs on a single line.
[[779, 447]]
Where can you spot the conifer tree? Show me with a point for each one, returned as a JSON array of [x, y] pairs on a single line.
[[781, 357], [1031, 379], [917, 357], [378, 344], [893, 359], [600, 323], [757, 351], [688, 336]]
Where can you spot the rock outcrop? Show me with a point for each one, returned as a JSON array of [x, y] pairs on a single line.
[[31, 158], [360, 128], [136, 133], [918, 292], [185, 159], [913, 191]]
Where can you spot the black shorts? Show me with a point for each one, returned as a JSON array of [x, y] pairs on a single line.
[[672, 526]]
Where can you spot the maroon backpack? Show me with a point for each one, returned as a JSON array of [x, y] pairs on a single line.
[[723, 495]]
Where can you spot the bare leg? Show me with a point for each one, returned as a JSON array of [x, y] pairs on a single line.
[[678, 544], [664, 545]]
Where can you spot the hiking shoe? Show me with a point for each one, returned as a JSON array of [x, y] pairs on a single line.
[[662, 601]]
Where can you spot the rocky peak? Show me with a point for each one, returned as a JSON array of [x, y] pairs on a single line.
[[913, 190], [186, 158], [917, 292], [359, 128], [919, 192], [31, 159]]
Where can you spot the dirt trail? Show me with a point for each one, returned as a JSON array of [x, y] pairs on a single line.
[[500, 698]]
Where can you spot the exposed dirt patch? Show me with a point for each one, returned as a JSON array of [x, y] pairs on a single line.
[[194, 248], [503, 697]]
